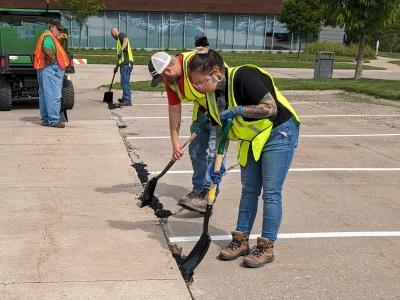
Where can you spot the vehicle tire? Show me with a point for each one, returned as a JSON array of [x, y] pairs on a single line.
[[67, 95], [5, 95]]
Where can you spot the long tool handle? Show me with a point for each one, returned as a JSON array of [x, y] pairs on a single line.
[[172, 161], [219, 159], [213, 188], [112, 80]]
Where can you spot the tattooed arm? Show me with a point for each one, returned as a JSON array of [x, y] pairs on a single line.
[[265, 109], [174, 112]]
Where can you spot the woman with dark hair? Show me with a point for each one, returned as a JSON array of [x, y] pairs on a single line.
[[266, 127]]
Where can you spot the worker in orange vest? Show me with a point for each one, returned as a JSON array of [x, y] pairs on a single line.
[[50, 62]]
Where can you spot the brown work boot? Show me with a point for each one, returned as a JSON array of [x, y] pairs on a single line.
[[261, 254], [195, 202], [239, 246], [188, 197]]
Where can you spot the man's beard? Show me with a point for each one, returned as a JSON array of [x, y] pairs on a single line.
[[171, 79]]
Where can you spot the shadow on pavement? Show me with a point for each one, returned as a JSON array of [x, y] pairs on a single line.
[[33, 120], [120, 188], [148, 226]]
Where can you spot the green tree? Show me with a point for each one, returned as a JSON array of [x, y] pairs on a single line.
[[81, 10], [302, 17], [360, 17]]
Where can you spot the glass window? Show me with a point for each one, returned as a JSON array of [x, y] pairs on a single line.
[[176, 29], [165, 31], [74, 35], [194, 27], [137, 29], [96, 30], [211, 29], [111, 21], [240, 35], [122, 23], [225, 37], [281, 36], [255, 39], [155, 23]]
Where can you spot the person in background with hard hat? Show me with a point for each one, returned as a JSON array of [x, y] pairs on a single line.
[[267, 130], [125, 64], [172, 71], [50, 62]]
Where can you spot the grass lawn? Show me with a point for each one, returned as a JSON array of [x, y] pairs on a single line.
[[389, 89], [262, 59], [390, 54]]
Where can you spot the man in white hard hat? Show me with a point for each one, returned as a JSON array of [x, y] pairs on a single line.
[[172, 71]]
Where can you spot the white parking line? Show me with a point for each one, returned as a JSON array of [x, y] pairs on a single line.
[[180, 239], [304, 116], [301, 135], [301, 170]]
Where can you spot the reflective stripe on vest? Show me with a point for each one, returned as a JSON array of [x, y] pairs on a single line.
[[254, 133], [129, 49], [62, 56], [191, 95]]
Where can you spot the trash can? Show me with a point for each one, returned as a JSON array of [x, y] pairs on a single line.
[[324, 64]]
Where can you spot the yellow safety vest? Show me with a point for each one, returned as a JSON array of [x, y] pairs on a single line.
[[190, 93], [254, 133], [129, 49]]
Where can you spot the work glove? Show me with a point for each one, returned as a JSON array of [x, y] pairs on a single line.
[[232, 112], [119, 54], [216, 176]]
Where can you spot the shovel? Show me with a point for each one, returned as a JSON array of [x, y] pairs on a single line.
[[151, 184], [200, 249], [108, 96]]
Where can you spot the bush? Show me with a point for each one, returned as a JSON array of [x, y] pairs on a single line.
[[339, 49]]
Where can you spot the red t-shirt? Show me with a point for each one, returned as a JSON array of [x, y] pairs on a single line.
[[173, 98]]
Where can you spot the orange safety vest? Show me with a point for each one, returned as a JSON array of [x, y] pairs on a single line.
[[62, 56]]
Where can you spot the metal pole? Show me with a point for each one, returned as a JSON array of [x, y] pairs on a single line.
[[162, 31], [247, 33], [233, 34], [265, 32], [170, 32], [104, 28], [218, 22], [87, 33], [273, 34], [147, 31], [184, 30], [291, 43]]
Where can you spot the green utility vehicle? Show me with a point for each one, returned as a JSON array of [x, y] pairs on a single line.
[[19, 31]]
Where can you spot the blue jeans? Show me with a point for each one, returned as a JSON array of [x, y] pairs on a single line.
[[126, 70], [50, 80], [268, 173], [202, 152]]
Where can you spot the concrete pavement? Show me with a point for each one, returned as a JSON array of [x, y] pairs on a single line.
[[69, 224]]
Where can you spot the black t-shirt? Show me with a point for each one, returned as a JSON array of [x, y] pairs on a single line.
[[250, 87], [121, 38]]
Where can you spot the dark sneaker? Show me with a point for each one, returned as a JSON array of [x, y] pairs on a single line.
[[239, 246], [45, 123], [125, 103], [120, 100], [188, 197], [56, 125], [261, 254], [196, 204]]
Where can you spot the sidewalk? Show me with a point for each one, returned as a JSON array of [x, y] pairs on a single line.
[[69, 224]]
